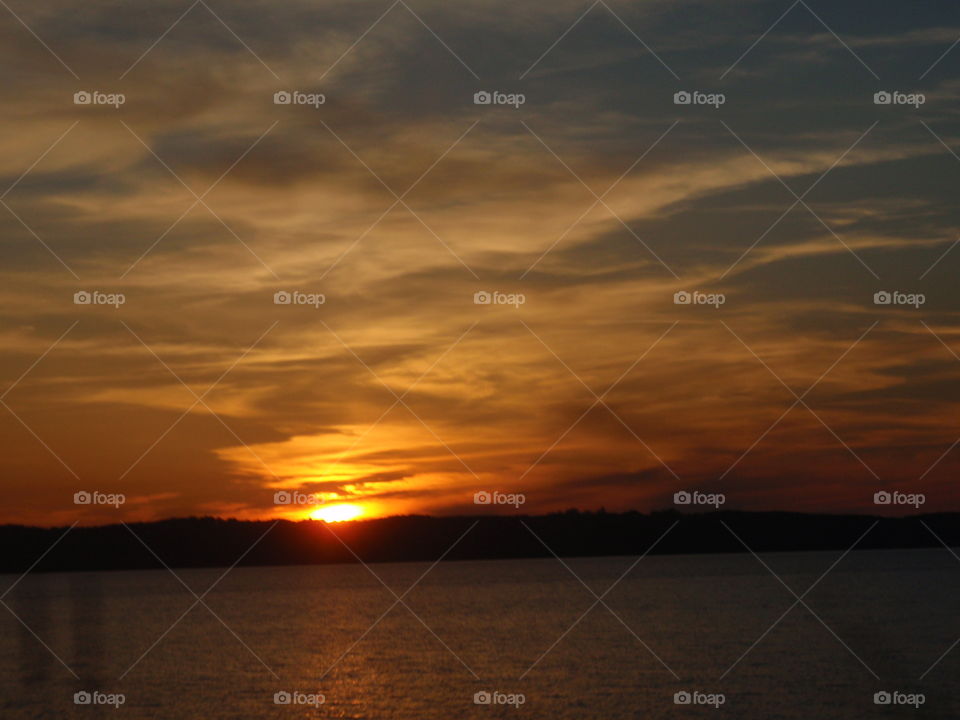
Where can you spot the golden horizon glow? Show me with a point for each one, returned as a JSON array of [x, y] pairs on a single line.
[[338, 512]]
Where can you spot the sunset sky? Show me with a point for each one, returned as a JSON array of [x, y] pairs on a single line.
[[399, 198]]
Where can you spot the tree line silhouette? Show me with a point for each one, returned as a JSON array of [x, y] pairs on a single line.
[[215, 542]]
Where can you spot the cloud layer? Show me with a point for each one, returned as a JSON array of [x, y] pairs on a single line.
[[399, 198]]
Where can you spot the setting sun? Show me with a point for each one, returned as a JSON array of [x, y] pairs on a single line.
[[337, 513]]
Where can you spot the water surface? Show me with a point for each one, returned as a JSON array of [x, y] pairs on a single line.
[[672, 624]]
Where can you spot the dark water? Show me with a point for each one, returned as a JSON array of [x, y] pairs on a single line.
[[509, 627]]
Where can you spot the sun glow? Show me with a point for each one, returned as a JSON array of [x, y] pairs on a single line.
[[337, 513]]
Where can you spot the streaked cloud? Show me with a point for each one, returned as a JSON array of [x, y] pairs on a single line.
[[494, 199]]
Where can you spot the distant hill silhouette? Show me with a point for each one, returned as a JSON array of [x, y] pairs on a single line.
[[213, 542]]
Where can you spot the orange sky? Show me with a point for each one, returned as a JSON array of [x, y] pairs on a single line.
[[398, 199]]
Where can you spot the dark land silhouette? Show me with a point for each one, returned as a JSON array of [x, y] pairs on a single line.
[[214, 542]]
